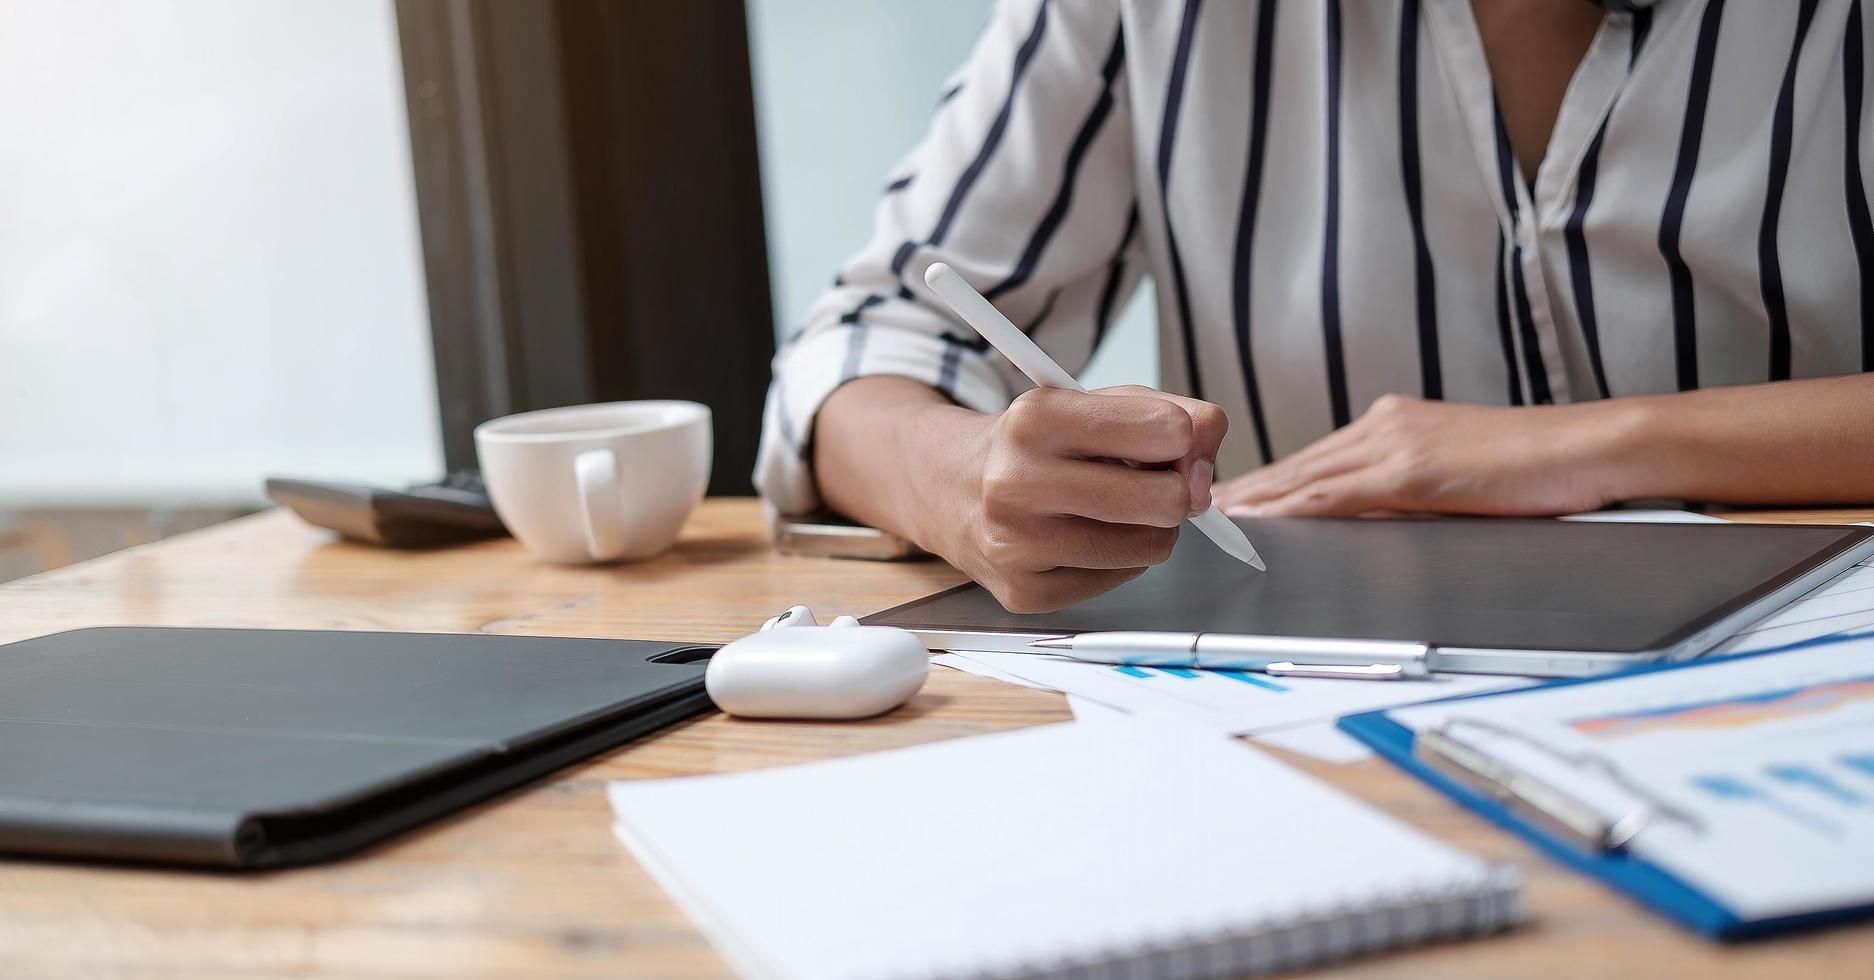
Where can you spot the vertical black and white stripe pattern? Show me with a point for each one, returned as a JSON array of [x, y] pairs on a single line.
[[1424, 282], [1167, 143], [1505, 337], [1672, 220], [1769, 256], [991, 140], [1861, 226], [1580, 274], [1327, 199], [1521, 316], [1076, 153], [1334, 355], [1580, 268], [1115, 279], [1242, 260]]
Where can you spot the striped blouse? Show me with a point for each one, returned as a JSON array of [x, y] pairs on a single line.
[[1324, 193]]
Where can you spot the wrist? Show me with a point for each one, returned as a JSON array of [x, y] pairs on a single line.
[[941, 447], [1618, 445]]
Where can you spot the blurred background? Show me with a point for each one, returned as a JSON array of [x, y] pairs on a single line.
[[255, 237]]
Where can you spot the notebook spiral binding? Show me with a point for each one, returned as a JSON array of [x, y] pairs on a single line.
[[1306, 938]]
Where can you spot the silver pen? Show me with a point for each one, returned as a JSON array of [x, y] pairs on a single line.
[[1281, 656]]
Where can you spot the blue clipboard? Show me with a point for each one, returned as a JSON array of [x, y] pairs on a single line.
[[1652, 886]]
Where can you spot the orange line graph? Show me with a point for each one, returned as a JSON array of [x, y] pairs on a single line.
[[1738, 712]]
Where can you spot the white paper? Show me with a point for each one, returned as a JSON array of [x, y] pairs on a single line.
[[1644, 517], [955, 662], [1772, 757], [1232, 702], [1320, 739], [1843, 605], [1085, 710], [1066, 841]]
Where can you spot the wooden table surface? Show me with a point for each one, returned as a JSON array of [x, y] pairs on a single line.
[[533, 884]]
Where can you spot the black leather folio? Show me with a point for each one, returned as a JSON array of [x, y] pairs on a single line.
[[259, 748]]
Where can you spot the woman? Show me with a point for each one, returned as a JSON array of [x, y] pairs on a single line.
[[1471, 256]]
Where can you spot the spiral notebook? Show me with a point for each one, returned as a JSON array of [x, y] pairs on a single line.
[[1091, 850]]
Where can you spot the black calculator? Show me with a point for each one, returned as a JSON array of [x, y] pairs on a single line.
[[452, 510]]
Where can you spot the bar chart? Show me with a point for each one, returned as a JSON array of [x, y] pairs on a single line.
[[1182, 673]]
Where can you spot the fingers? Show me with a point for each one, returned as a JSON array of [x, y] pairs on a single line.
[[1034, 563], [1278, 480], [1351, 494], [1047, 591], [1209, 424], [1075, 542], [1144, 430], [1130, 422], [1346, 448], [1014, 490]]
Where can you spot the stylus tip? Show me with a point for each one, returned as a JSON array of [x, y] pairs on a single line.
[[1229, 537]]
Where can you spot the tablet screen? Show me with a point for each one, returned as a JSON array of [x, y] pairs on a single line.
[[1451, 582]]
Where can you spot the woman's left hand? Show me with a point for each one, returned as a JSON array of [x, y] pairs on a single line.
[[1406, 455]]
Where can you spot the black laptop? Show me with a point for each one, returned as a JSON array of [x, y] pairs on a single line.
[[256, 748]]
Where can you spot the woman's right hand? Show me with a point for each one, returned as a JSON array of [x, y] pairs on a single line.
[[1065, 494]]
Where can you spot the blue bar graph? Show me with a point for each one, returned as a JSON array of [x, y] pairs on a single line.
[[1795, 775], [1724, 787], [1738, 791], [1253, 680], [1240, 676]]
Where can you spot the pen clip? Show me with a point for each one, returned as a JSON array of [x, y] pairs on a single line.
[[1363, 672]]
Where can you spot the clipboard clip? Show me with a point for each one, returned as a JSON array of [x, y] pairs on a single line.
[[1539, 800]]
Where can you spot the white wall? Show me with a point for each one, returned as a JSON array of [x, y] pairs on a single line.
[[209, 262], [843, 89]]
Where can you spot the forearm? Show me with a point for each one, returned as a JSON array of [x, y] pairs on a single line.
[[880, 441], [1794, 442]]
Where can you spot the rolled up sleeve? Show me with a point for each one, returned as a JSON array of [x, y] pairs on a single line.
[[1023, 184]]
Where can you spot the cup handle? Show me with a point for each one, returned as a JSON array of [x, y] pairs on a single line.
[[597, 473]]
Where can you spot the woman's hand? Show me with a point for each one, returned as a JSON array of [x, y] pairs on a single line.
[[1406, 455], [1060, 497], [1066, 495]]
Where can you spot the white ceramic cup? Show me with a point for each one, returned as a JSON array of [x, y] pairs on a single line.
[[594, 483]]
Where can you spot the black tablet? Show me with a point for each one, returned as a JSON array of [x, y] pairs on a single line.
[[1541, 597], [252, 748]]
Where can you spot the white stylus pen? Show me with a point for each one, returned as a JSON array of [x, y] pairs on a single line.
[[1041, 369], [1282, 656]]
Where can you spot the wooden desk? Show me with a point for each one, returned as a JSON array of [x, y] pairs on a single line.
[[534, 884]]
